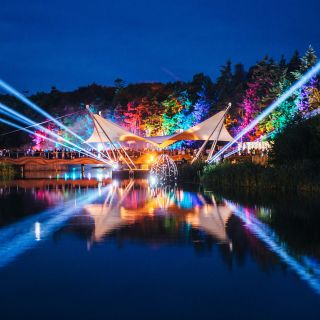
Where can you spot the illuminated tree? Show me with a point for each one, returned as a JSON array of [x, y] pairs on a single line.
[[286, 112], [300, 103], [39, 140], [152, 124], [261, 80], [131, 117], [176, 113], [118, 114], [201, 107], [307, 61], [314, 99]]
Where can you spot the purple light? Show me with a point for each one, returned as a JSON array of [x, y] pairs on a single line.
[[307, 77], [19, 117], [22, 98]]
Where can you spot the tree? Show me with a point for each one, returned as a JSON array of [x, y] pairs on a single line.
[[152, 124], [39, 140], [293, 66], [304, 93], [286, 112], [176, 113], [131, 117], [119, 84], [300, 141], [201, 107], [261, 79], [223, 86], [239, 75], [200, 82]]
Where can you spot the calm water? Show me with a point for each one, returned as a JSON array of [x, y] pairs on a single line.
[[102, 249]]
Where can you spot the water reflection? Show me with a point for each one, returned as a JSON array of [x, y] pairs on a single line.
[[307, 268], [71, 173], [127, 212], [125, 206], [23, 235], [132, 211]]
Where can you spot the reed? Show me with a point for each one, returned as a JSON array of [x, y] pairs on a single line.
[[7, 171], [298, 176]]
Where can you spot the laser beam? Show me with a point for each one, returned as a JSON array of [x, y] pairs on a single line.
[[305, 78], [25, 235], [43, 122], [35, 107], [19, 117], [306, 270], [37, 134], [7, 122]]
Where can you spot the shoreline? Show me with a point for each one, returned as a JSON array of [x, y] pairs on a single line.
[[299, 177]]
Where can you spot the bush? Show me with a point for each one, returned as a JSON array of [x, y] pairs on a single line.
[[299, 176], [298, 142], [190, 172]]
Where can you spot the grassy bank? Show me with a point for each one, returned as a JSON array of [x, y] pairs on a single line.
[[6, 171], [190, 173], [299, 176]]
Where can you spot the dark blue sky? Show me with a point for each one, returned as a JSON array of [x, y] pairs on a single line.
[[72, 43]]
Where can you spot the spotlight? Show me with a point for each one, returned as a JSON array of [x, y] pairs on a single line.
[[115, 166], [153, 180]]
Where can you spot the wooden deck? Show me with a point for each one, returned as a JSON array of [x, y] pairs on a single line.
[[32, 163], [43, 161]]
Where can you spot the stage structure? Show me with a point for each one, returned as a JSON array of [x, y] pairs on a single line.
[[108, 133], [212, 129]]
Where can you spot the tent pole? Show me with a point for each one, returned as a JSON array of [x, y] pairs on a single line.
[[94, 123], [214, 143], [94, 120], [112, 144], [115, 146], [124, 158], [205, 143], [127, 155]]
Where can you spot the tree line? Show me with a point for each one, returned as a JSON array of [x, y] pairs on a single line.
[[164, 108]]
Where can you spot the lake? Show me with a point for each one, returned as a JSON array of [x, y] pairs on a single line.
[[98, 248]]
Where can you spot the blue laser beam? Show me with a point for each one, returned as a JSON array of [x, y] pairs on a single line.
[[7, 122], [306, 268], [305, 78], [19, 117], [43, 122], [36, 134], [35, 107], [25, 235]]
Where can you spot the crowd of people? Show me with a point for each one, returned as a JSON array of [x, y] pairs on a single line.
[[132, 153], [48, 154]]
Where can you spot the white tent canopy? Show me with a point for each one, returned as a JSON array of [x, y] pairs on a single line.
[[105, 130], [201, 131], [211, 129]]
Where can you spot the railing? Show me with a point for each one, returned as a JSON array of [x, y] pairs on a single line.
[[44, 154], [134, 154]]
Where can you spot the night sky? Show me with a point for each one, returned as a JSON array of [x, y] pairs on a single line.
[[74, 43]]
